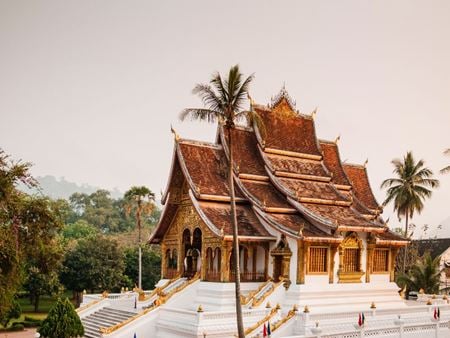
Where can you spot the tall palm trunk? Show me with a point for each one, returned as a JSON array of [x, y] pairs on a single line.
[[138, 220], [405, 254], [237, 280]]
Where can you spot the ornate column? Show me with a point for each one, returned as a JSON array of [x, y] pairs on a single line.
[[393, 255], [225, 261], [204, 265], [300, 272], [163, 260], [333, 250], [369, 260]]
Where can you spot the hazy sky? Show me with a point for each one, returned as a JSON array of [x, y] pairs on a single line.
[[89, 89]]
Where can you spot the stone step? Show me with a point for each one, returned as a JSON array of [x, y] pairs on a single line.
[[100, 321], [114, 310], [110, 317]]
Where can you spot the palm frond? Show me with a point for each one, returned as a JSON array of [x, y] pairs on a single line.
[[242, 92], [209, 97], [219, 85], [207, 115]]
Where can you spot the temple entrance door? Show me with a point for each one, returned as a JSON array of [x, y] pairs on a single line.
[[277, 267], [193, 257]]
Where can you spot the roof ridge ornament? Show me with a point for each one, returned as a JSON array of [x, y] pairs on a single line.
[[337, 139], [283, 94], [365, 163], [175, 134]]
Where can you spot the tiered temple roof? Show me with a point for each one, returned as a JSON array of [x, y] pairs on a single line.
[[286, 181]]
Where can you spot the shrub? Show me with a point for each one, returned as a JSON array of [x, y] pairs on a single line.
[[62, 321]]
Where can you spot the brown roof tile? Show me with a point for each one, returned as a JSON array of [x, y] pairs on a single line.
[[266, 194], [207, 168], [296, 165], [311, 189], [361, 186], [219, 215], [389, 235], [294, 222], [246, 154], [333, 162], [289, 132], [339, 215]]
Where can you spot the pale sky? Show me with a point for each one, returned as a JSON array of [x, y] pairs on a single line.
[[89, 89]]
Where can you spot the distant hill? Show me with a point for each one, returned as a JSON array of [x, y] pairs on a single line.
[[61, 188]]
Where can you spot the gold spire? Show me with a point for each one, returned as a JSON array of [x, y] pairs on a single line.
[[175, 134]]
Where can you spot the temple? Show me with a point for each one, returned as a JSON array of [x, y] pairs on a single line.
[[315, 254], [304, 217]]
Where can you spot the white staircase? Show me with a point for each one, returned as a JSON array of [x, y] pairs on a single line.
[[105, 317]]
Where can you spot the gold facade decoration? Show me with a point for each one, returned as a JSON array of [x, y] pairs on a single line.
[[350, 257], [281, 256]]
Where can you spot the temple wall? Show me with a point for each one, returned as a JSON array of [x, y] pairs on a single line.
[[379, 278], [293, 263], [316, 280], [363, 236]]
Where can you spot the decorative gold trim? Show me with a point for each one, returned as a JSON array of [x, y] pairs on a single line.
[[323, 201], [343, 187], [256, 302], [219, 198], [302, 176], [88, 305], [252, 177], [280, 210], [246, 300], [292, 154]]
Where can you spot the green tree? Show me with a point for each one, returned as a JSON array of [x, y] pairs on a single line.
[[223, 100], [425, 274], [151, 266], [446, 169], [409, 189], [62, 321], [79, 229], [12, 173], [13, 312], [95, 264], [42, 221], [142, 199]]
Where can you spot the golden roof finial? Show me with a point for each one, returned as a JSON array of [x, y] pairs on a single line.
[[373, 306], [175, 134], [200, 308], [268, 306], [337, 139], [306, 309]]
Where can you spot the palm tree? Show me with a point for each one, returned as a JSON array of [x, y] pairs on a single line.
[[446, 170], [223, 100], [425, 274], [142, 198], [409, 189]]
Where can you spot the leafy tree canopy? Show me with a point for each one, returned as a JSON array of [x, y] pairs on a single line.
[[95, 264]]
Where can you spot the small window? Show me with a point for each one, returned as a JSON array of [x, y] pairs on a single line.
[[351, 260], [381, 260], [318, 259]]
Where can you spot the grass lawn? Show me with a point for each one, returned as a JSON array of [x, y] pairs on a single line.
[[45, 304]]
